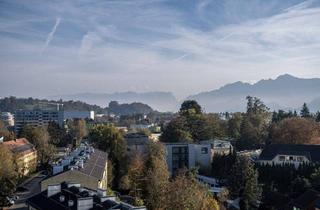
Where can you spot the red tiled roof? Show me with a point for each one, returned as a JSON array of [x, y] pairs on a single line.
[[19, 145]]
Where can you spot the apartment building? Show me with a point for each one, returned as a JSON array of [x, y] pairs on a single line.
[[74, 196], [184, 155], [24, 153], [85, 165], [37, 117]]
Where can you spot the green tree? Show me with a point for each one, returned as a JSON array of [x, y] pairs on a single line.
[[157, 176], [176, 131], [185, 192], [8, 174], [234, 125], [58, 135], [315, 178], [295, 130], [5, 133], [136, 174], [305, 112], [78, 130], [190, 107], [243, 181], [318, 116], [110, 139], [300, 185], [254, 126], [40, 138]]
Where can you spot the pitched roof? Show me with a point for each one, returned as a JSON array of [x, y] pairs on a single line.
[[96, 164], [312, 152], [19, 145]]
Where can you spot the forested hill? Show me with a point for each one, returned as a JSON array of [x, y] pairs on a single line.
[[127, 109], [10, 104]]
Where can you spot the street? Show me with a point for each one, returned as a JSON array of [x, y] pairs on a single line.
[[33, 187]]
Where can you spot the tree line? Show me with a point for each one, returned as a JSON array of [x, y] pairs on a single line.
[[250, 130]]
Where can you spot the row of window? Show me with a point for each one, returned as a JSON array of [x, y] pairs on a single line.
[[291, 158]]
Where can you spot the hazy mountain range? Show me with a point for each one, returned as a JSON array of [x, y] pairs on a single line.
[[161, 101], [285, 92]]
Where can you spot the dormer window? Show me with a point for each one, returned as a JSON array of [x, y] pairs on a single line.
[[282, 158]]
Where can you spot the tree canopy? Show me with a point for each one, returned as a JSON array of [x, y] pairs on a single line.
[[295, 130]]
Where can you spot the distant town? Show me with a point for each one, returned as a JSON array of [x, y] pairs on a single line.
[[72, 155]]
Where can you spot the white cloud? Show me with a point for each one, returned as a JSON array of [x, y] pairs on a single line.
[[51, 34], [121, 45]]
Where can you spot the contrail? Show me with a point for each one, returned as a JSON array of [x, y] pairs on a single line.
[[51, 34]]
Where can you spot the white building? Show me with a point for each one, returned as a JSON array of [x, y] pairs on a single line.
[[184, 155], [7, 118], [69, 115], [219, 147]]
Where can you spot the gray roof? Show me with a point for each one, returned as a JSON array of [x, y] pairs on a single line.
[[96, 164], [312, 152]]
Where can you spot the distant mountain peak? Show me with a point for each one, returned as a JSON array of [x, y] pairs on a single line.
[[286, 76], [279, 93]]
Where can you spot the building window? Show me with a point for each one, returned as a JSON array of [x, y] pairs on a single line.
[[291, 158], [282, 158], [179, 158], [300, 159], [204, 150]]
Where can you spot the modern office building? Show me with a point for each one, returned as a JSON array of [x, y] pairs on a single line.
[[37, 117], [184, 155]]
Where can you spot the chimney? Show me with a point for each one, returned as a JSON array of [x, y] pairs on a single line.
[[62, 198], [53, 189], [85, 203], [102, 193], [70, 203]]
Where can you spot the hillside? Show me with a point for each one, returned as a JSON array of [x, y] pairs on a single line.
[[128, 109], [161, 101], [284, 92], [10, 104]]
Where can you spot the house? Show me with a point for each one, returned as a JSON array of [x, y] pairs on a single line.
[[219, 147], [136, 142], [289, 154], [73, 196], [184, 155], [85, 165], [24, 153]]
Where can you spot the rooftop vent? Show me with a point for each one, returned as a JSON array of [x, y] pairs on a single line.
[[70, 203], [62, 198], [53, 189]]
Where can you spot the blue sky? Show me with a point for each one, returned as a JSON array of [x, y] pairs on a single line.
[[183, 46]]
